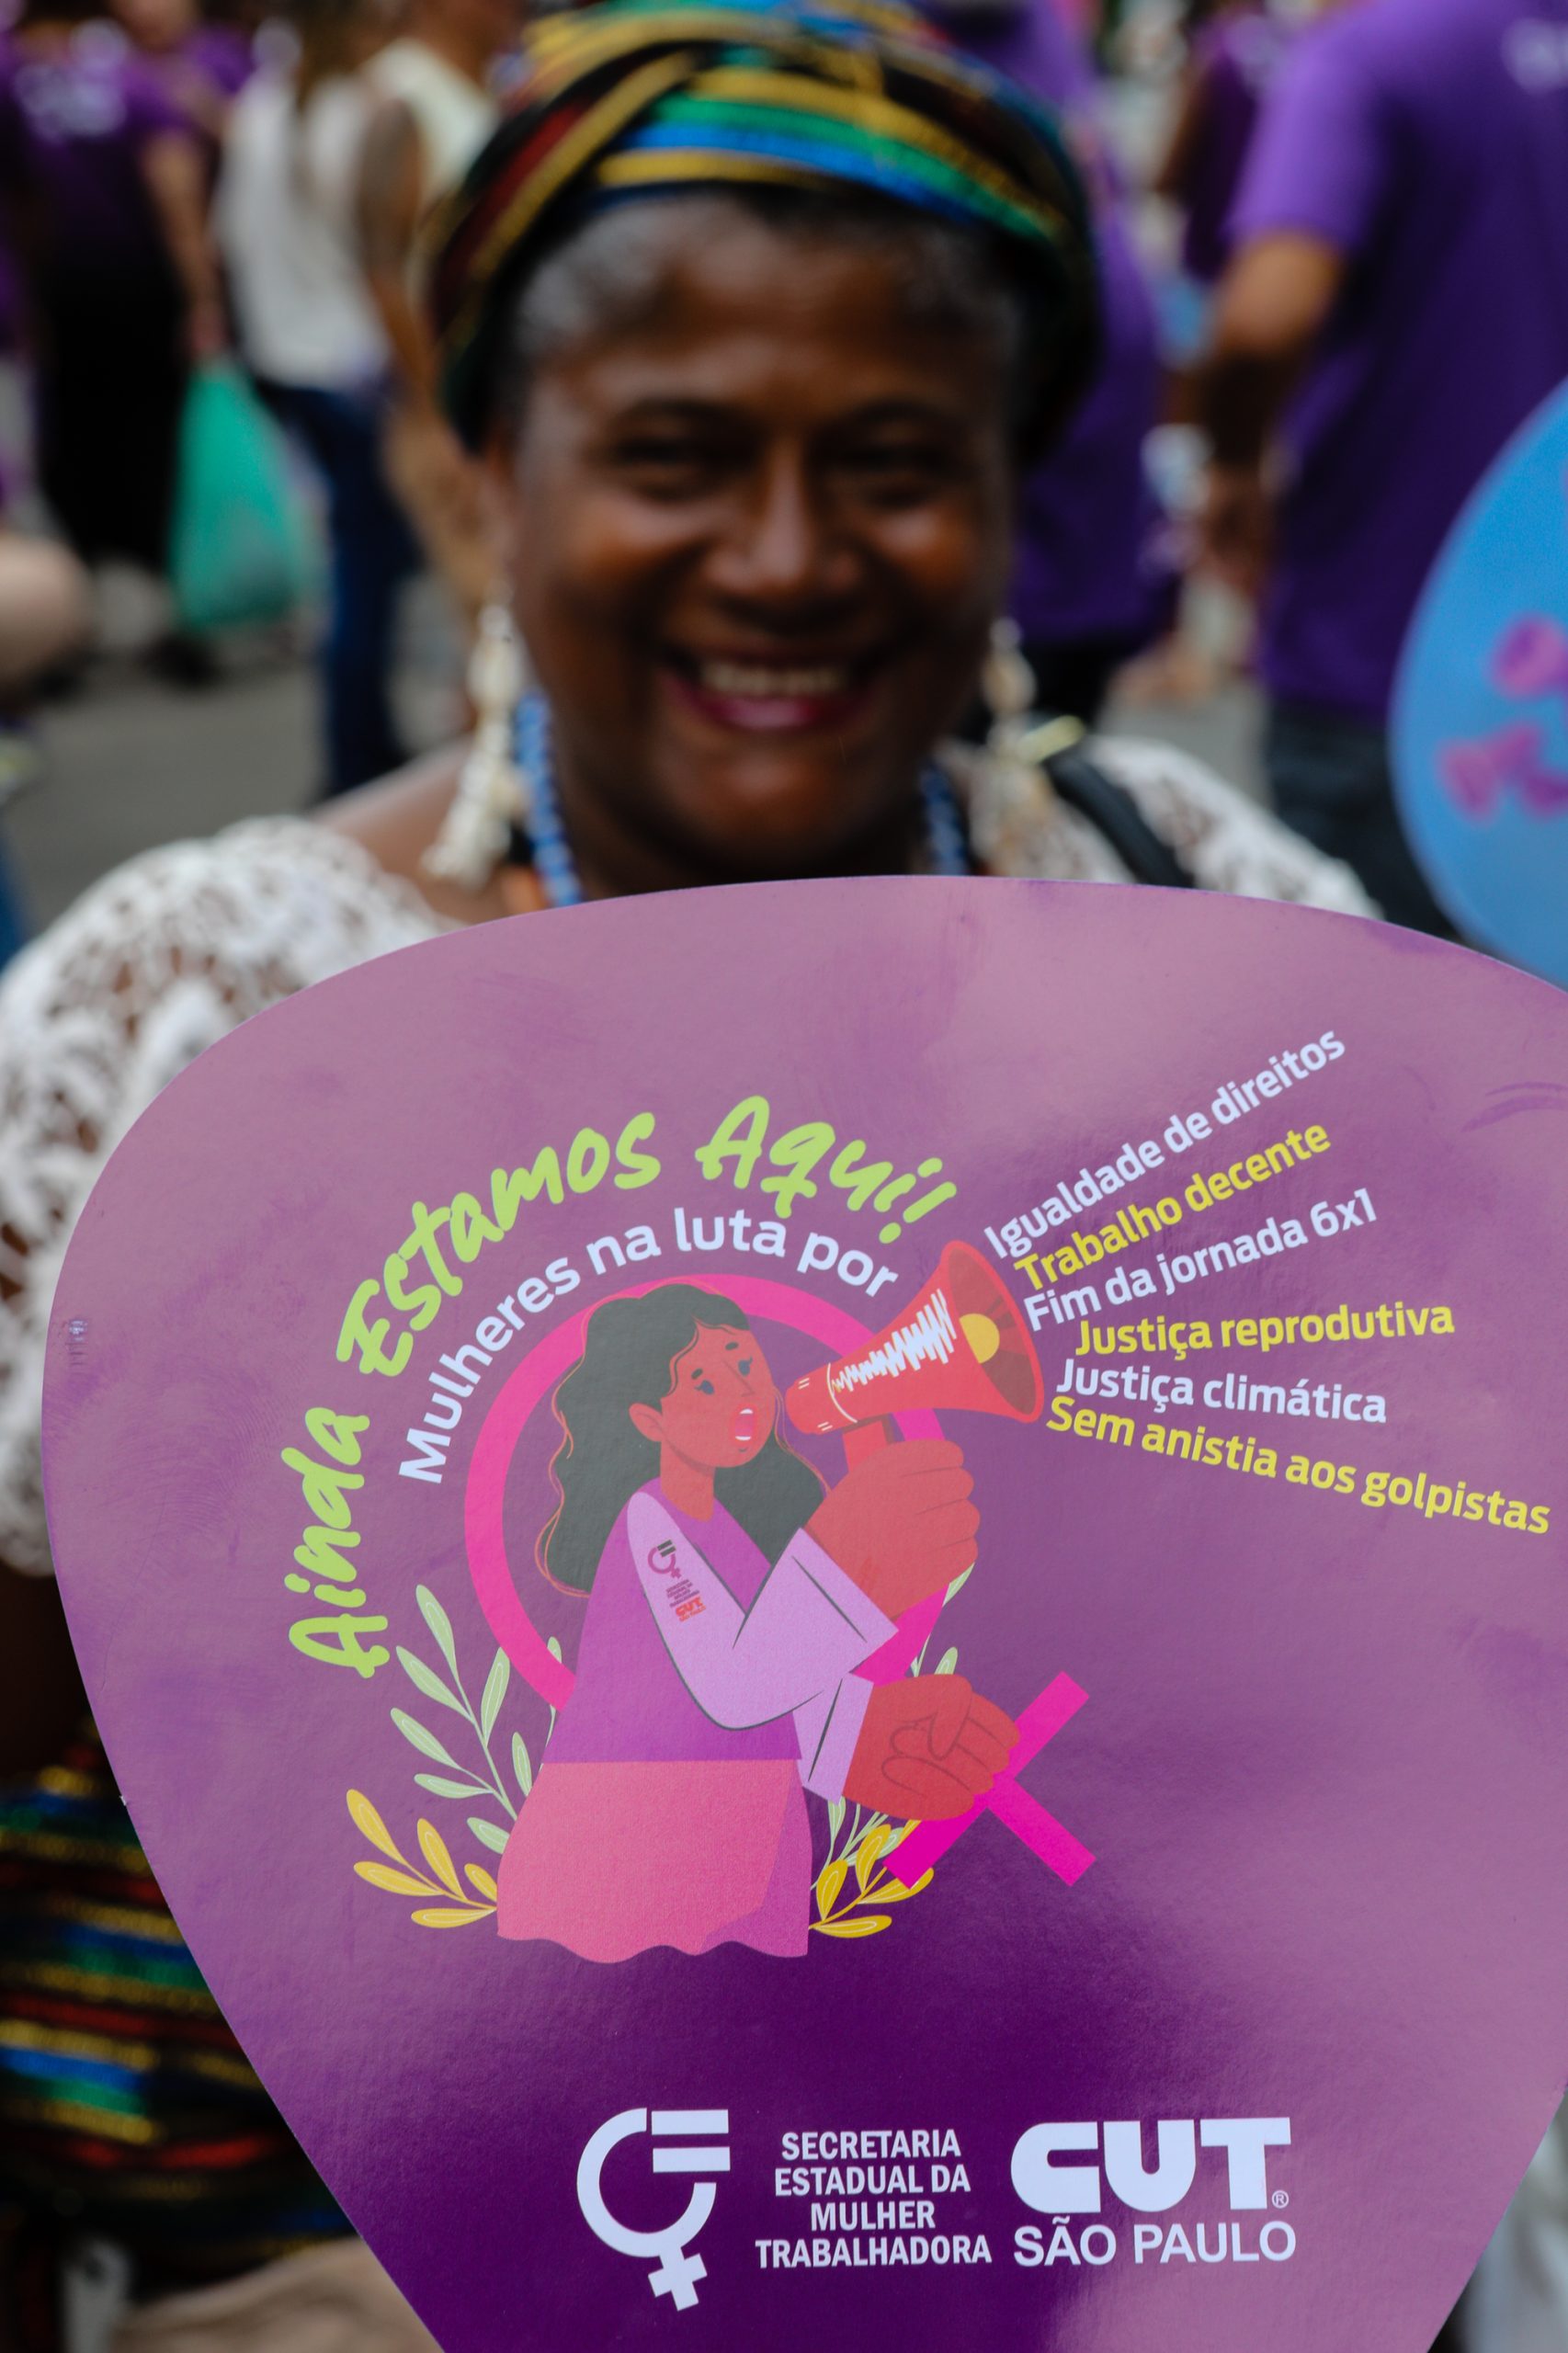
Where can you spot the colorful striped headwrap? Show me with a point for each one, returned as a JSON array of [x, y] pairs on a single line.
[[634, 99]]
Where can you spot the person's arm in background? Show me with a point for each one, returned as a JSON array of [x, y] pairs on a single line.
[[172, 165], [45, 615], [1321, 162], [438, 486], [1171, 177], [201, 97], [1273, 304], [391, 200]]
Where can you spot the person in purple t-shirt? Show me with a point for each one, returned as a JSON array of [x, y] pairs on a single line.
[[1237, 52], [1398, 305], [100, 186], [1089, 590], [201, 68]]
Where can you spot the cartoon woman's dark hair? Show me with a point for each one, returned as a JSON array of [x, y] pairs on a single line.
[[629, 1359]]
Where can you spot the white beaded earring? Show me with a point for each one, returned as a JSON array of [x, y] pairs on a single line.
[[1010, 688], [1013, 807], [491, 796], [1007, 684]]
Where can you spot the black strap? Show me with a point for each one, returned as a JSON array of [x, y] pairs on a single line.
[[1112, 811]]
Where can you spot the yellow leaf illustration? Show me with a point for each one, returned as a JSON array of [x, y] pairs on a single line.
[[367, 1819], [870, 1846], [867, 1925], [829, 1881], [433, 1847], [482, 1879], [892, 1891], [434, 1920], [396, 1882]]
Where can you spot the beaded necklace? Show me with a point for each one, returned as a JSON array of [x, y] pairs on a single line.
[[545, 848]]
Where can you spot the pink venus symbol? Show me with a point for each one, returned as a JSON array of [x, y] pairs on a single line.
[[1011, 1805], [1531, 657]]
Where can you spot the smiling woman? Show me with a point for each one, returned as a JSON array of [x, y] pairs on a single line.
[[758, 317], [753, 377], [755, 314], [755, 517]]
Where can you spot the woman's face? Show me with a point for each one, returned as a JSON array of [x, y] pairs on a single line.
[[758, 538], [720, 1409]]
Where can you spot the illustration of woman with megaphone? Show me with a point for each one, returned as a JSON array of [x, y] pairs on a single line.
[[730, 1600]]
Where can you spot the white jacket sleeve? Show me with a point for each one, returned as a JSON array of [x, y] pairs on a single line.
[[829, 1727], [808, 1627]]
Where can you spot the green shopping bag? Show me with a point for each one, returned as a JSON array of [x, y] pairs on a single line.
[[241, 547]]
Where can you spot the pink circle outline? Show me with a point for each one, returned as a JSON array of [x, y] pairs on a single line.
[[533, 1380]]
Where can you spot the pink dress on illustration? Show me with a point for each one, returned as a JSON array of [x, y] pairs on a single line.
[[714, 1687]]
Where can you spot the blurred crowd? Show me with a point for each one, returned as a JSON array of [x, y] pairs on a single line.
[[180, 189], [177, 190], [1293, 396], [1313, 275]]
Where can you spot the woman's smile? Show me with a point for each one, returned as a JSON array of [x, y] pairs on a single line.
[[781, 694]]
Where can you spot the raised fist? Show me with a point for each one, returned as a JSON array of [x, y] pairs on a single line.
[[929, 1748], [901, 1523]]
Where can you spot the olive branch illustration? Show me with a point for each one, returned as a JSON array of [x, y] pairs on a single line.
[[867, 1851], [455, 1907], [871, 1839], [485, 1780], [459, 1781]]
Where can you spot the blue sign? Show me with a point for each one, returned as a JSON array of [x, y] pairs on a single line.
[[1481, 708]]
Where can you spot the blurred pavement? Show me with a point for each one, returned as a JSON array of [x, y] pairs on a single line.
[[131, 762]]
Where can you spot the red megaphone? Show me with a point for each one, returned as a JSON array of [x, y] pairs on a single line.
[[959, 1343]]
